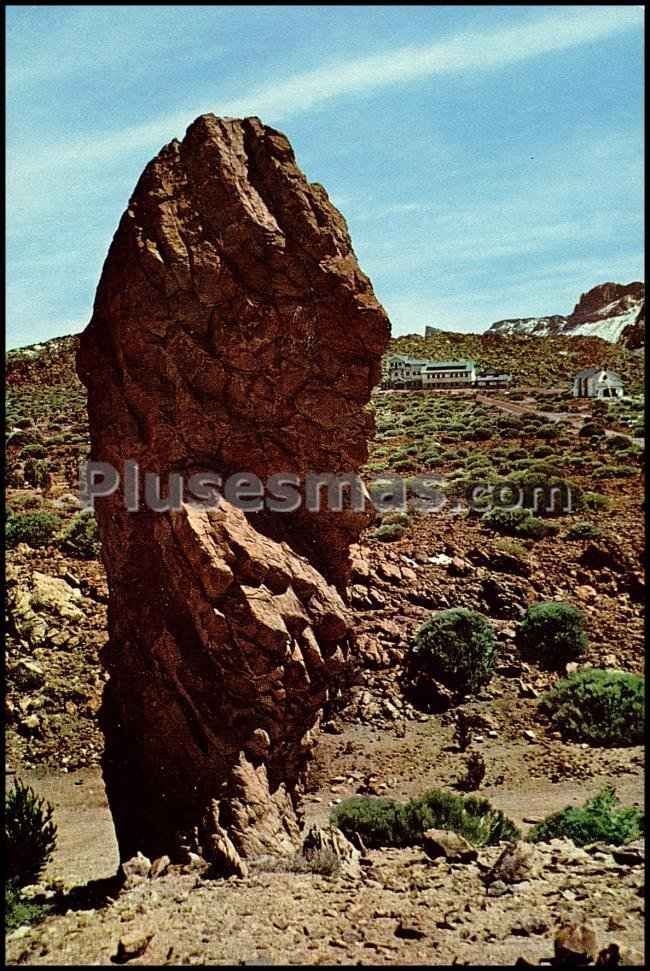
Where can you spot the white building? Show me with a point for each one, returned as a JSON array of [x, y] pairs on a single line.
[[491, 378], [448, 374], [596, 382], [404, 372]]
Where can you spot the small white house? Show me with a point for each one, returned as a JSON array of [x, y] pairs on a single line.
[[597, 382], [491, 378]]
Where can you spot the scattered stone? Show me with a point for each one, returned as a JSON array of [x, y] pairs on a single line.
[[410, 928], [631, 855], [159, 867]]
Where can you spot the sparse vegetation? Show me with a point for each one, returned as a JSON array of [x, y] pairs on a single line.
[[30, 834], [515, 522], [455, 647], [80, 537], [583, 530], [34, 528], [599, 707], [552, 634], [387, 822], [598, 819]]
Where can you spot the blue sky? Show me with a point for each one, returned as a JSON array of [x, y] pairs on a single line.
[[488, 159]]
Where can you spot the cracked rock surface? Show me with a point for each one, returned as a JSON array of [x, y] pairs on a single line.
[[233, 331]]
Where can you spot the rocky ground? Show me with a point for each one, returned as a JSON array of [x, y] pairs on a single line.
[[400, 907]]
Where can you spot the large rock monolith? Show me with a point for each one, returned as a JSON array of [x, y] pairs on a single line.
[[232, 331]]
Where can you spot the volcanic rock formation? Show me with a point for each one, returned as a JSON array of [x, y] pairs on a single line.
[[232, 331]]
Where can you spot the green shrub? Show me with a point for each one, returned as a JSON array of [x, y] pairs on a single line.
[[30, 834], [80, 537], [34, 451], [548, 432], [455, 647], [19, 911], [387, 822], [515, 522], [34, 528], [595, 501], [36, 472], [399, 517], [599, 707], [591, 429], [598, 820], [552, 634], [582, 530], [617, 471], [512, 547], [618, 441], [387, 533]]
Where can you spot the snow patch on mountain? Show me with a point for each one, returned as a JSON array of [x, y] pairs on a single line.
[[604, 311]]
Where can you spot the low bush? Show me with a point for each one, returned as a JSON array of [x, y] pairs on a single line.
[[397, 517], [30, 834], [617, 471], [34, 451], [80, 537], [595, 501], [598, 820], [455, 647], [548, 432], [552, 634], [387, 822], [599, 707], [511, 547], [618, 441], [591, 429], [36, 472], [582, 530], [34, 528], [515, 522], [388, 533], [19, 911]]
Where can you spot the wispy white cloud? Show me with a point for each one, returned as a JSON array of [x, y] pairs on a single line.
[[464, 53]]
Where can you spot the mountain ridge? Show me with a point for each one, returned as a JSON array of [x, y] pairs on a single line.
[[605, 311]]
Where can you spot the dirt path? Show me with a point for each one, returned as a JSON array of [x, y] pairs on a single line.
[[516, 408]]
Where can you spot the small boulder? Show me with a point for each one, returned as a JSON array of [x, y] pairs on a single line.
[[517, 862], [576, 945], [136, 870], [443, 844], [132, 945]]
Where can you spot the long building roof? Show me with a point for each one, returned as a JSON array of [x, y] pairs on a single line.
[[434, 365]]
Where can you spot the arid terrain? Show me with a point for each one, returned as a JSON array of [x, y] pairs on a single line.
[[400, 907]]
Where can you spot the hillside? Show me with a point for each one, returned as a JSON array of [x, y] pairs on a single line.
[[549, 362], [546, 362], [398, 907]]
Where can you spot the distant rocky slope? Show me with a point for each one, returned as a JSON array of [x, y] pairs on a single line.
[[551, 361], [606, 311]]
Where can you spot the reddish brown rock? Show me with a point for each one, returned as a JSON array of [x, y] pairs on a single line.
[[232, 331]]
